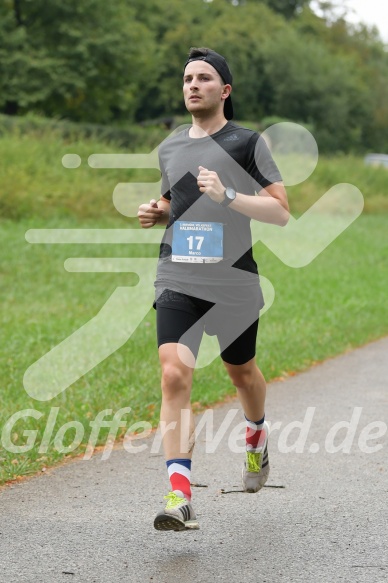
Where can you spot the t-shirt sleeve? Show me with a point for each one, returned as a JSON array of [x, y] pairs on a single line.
[[260, 164], [165, 187]]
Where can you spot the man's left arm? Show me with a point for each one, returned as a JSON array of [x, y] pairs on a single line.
[[270, 206]]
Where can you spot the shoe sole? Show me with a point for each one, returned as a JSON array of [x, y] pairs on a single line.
[[168, 522], [263, 478]]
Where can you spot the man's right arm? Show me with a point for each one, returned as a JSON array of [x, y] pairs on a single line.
[[154, 213]]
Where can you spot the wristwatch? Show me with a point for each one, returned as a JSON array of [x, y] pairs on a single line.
[[229, 195]]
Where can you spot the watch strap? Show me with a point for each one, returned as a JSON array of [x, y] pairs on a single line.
[[228, 199]]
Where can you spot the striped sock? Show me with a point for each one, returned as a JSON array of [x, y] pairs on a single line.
[[254, 435], [179, 473]]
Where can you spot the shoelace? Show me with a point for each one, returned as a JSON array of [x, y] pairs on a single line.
[[253, 461], [173, 500]]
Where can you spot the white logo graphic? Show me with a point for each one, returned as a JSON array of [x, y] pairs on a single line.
[[296, 245]]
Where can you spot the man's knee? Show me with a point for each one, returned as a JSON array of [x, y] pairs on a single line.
[[172, 375], [243, 376], [175, 378]]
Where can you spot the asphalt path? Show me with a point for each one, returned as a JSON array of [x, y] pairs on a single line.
[[321, 518]]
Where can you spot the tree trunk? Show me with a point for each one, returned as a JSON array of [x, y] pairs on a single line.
[[11, 108]]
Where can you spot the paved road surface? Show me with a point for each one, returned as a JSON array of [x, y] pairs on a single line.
[[325, 521]]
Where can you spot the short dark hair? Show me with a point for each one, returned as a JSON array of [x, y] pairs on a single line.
[[198, 52]]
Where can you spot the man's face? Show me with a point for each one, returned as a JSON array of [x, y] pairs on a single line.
[[204, 91]]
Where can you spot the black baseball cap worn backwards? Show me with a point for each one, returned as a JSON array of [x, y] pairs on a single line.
[[221, 66]]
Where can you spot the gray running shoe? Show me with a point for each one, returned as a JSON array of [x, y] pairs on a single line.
[[177, 515], [256, 467]]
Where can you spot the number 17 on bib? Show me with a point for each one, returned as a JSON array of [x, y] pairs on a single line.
[[197, 242]]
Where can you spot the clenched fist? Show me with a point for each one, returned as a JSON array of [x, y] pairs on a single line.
[[210, 184], [149, 214]]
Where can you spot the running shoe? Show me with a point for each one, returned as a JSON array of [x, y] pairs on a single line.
[[256, 467], [177, 515]]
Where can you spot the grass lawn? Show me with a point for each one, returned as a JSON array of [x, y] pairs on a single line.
[[336, 303]]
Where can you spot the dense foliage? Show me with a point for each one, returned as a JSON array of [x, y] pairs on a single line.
[[121, 61]]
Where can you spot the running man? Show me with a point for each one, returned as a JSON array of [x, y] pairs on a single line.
[[207, 278]]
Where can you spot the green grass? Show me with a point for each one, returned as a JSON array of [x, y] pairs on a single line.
[[334, 304], [34, 182], [371, 181]]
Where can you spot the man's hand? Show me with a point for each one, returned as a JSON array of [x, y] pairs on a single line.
[[149, 214], [209, 183]]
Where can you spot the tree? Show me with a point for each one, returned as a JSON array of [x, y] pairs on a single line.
[[311, 84], [100, 61], [82, 60], [288, 8]]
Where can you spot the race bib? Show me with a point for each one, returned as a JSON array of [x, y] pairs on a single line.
[[197, 242]]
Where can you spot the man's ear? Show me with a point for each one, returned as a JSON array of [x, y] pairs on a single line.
[[226, 91]]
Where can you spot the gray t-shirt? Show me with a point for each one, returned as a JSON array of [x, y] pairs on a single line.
[[243, 162]]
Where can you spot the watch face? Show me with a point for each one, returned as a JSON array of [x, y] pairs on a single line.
[[230, 194]]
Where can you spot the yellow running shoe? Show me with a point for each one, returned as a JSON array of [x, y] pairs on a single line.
[[256, 466]]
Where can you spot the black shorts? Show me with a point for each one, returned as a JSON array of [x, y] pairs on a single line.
[[183, 319]]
